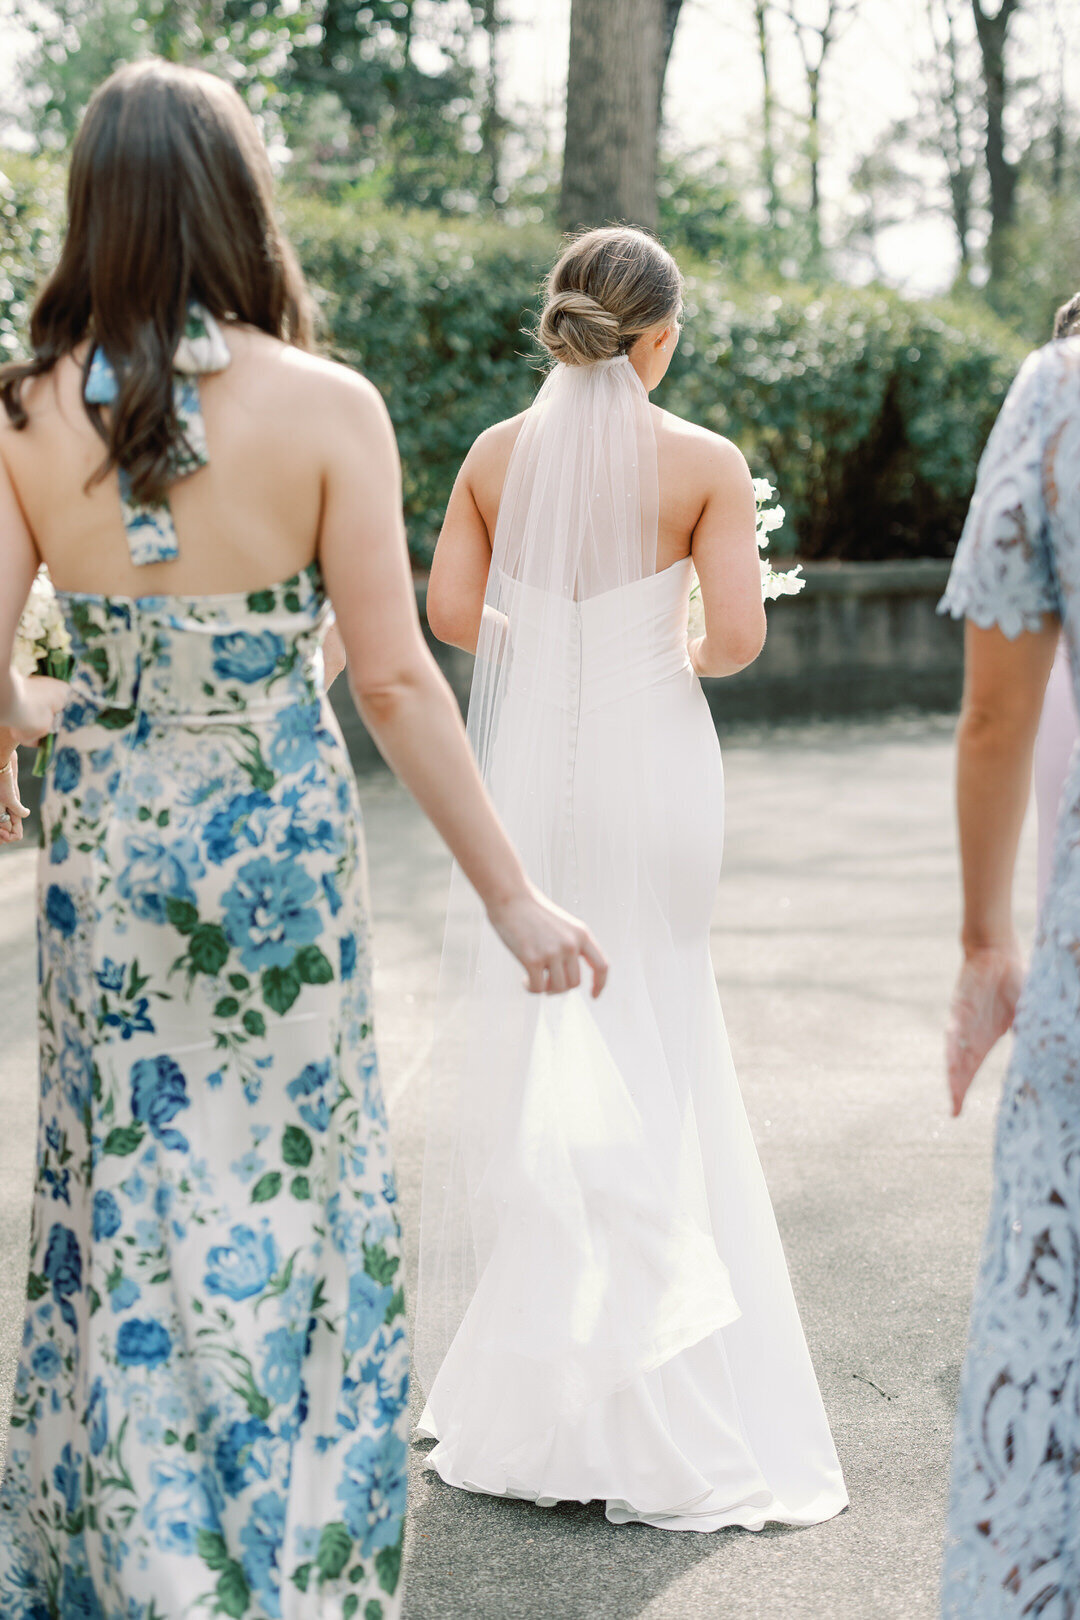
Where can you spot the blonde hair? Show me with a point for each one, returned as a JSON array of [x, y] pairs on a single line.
[[609, 286]]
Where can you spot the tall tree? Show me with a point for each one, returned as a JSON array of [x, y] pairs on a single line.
[[612, 112], [816, 35], [992, 30], [768, 113], [950, 122]]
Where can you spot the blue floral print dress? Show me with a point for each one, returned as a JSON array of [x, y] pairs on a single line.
[[210, 1409], [1013, 1544]]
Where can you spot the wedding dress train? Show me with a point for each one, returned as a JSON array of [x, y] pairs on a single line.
[[605, 1311]]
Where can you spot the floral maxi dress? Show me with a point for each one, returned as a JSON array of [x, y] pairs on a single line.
[[210, 1409], [1013, 1545]]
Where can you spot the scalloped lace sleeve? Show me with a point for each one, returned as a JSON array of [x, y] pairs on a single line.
[[1003, 572]]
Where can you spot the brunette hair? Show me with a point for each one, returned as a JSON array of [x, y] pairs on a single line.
[[169, 199], [1067, 319], [609, 286]]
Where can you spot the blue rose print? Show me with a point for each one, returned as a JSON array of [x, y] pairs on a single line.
[[283, 1351], [242, 821], [167, 1361], [268, 914], [97, 1417], [243, 1453], [67, 770], [157, 871], [158, 1093], [312, 1082], [368, 1301], [373, 1490], [78, 1599], [243, 1267], [110, 975], [295, 743], [63, 1268], [260, 1539], [143, 1343], [126, 1294], [66, 1478], [107, 1219], [60, 910], [183, 1503], [46, 1361], [245, 657]]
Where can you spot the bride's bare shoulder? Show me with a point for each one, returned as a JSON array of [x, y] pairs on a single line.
[[485, 465], [694, 457]]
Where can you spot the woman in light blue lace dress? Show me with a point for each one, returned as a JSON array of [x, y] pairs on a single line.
[[1013, 1546], [210, 1409]]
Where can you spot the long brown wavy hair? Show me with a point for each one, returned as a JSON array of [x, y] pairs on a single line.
[[170, 198]]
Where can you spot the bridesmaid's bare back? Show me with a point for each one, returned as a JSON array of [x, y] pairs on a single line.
[[250, 518]]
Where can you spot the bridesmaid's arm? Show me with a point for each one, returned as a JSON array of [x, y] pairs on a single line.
[[11, 805], [1004, 685], [28, 706], [402, 695]]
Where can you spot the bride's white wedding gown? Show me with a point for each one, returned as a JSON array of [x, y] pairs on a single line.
[[605, 1310]]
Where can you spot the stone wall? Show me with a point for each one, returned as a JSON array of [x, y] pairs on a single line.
[[862, 638]]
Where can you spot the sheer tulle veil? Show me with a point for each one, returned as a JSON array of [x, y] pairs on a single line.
[[545, 1185]]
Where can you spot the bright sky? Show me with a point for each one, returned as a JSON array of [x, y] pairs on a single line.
[[713, 94]]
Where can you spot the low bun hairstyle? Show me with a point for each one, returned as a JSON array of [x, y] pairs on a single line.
[[609, 286]]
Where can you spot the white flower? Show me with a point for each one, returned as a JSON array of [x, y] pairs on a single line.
[[771, 518], [763, 491], [786, 584], [41, 630]]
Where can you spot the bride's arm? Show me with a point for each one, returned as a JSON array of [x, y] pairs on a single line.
[[402, 696], [12, 809], [726, 558], [460, 566]]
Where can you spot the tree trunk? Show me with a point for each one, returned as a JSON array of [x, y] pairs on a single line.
[[492, 125], [612, 97], [768, 114], [668, 24], [992, 32]]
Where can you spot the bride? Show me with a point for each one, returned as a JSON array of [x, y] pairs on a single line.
[[604, 1309]]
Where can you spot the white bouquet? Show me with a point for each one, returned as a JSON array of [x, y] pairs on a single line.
[[42, 646], [772, 583]]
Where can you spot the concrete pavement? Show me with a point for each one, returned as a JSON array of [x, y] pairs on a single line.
[[834, 949]]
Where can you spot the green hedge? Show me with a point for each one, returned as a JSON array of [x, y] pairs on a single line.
[[868, 411]]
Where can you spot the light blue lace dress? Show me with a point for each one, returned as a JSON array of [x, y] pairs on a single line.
[[1013, 1543], [210, 1408]]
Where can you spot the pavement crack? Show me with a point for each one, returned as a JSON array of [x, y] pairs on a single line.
[[862, 1378]]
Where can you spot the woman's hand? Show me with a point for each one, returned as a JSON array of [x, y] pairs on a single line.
[[548, 943], [983, 1008], [34, 703], [12, 810]]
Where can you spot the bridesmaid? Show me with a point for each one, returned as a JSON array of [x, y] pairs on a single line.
[[1059, 726], [209, 1414], [1012, 1547]]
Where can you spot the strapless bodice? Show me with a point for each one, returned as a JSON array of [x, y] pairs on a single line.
[[605, 647], [198, 657]]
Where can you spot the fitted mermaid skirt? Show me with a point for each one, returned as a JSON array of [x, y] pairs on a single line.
[[632, 1335]]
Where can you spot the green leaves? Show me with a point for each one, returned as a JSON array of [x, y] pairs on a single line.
[[254, 1022], [268, 1186], [233, 1592], [123, 1140], [280, 988], [296, 1147], [379, 1265], [312, 967], [388, 1567], [227, 1007], [208, 950], [335, 1545], [182, 914]]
